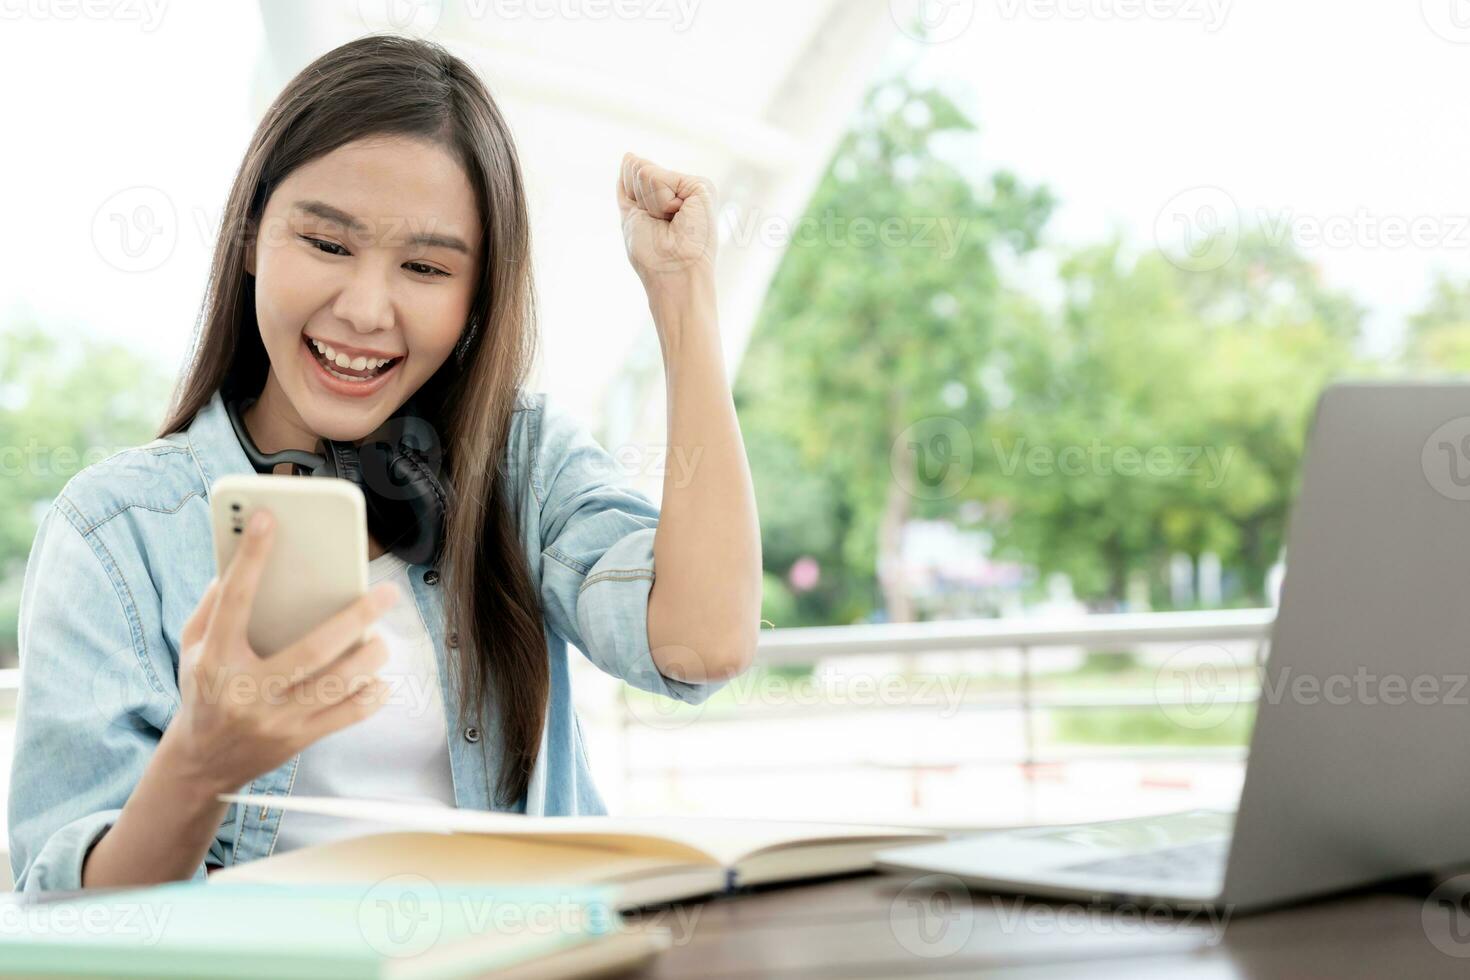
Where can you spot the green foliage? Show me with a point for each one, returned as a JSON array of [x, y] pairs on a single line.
[[1439, 335], [866, 324], [778, 605], [1109, 662], [1145, 411], [66, 401], [1224, 725], [1159, 411]]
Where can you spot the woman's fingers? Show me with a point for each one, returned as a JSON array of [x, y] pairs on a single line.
[[354, 708], [239, 582], [625, 186], [341, 678], [650, 186], [327, 641], [627, 172]]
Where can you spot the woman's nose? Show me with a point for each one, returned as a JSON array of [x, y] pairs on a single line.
[[366, 299]]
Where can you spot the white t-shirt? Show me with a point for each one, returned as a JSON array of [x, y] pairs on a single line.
[[400, 752]]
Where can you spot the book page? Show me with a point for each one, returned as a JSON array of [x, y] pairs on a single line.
[[714, 839], [494, 860], [446, 858]]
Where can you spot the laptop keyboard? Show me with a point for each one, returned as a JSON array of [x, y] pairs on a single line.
[[1202, 859]]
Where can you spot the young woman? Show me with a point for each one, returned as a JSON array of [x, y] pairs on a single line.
[[375, 249]]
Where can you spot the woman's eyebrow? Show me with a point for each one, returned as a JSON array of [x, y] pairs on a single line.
[[324, 210]]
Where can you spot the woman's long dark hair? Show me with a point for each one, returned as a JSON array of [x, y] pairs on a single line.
[[385, 85]]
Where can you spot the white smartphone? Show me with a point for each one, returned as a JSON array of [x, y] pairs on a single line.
[[318, 562]]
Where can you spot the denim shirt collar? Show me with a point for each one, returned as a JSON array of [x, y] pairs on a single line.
[[212, 440]]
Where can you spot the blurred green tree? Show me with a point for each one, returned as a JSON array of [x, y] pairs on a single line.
[[1439, 335], [1143, 410], [878, 319], [66, 401], [1159, 411]]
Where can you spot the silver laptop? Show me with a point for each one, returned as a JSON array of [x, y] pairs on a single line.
[[1361, 781]]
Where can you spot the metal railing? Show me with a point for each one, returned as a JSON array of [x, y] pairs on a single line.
[[1112, 632], [806, 645]]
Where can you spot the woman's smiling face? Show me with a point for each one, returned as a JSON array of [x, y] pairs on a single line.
[[365, 264]]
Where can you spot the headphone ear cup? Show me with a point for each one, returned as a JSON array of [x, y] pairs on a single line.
[[341, 459], [410, 508], [344, 461], [407, 505]]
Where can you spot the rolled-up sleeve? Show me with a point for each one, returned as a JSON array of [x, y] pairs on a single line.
[[597, 555], [88, 713]]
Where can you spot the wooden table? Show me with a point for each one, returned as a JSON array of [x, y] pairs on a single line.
[[894, 925]]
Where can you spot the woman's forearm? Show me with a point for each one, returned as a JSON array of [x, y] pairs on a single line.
[[165, 828], [704, 609]]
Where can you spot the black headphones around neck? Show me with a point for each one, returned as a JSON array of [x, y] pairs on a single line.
[[397, 466]]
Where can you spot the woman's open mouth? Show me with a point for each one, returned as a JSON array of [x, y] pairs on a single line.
[[346, 374]]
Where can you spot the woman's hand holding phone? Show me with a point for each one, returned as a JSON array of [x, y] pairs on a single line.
[[243, 714]]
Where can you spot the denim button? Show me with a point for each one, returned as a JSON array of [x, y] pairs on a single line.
[[453, 640], [431, 577], [472, 734]]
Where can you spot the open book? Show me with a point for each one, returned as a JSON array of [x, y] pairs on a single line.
[[642, 860]]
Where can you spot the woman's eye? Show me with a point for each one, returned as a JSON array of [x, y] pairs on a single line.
[[325, 246], [332, 248]]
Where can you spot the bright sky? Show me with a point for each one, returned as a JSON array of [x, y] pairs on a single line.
[[1349, 118]]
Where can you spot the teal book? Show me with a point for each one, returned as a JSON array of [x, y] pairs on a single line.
[[401, 926]]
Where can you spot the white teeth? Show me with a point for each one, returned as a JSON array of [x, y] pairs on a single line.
[[331, 356], [343, 360], [346, 377]]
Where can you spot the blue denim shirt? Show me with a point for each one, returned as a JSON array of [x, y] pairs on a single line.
[[124, 554]]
